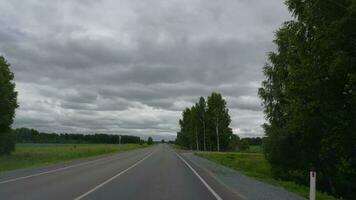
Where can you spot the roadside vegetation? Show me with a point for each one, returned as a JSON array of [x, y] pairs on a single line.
[[206, 126], [150, 141], [35, 155], [8, 104], [309, 96], [255, 165]]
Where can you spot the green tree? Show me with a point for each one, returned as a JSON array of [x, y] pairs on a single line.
[[202, 123], [194, 125], [219, 122], [184, 137], [149, 141], [201, 120], [309, 96], [8, 104]]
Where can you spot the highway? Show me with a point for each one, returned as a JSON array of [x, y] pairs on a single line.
[[158, 172]]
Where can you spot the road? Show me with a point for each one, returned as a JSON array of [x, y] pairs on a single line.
[[157, 172]]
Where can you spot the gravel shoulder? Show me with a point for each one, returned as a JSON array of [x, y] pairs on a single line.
[[247, 187]]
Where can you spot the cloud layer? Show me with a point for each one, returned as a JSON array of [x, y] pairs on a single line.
[[130, 67]]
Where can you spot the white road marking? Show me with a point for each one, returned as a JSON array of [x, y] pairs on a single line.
[[200, 178], [55, 170], [112, 178]]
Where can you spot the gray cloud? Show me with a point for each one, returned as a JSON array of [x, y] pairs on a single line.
[[130, 67]]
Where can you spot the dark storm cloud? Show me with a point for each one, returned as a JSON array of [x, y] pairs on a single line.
[[130, 67]]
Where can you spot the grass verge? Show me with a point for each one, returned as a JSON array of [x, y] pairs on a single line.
[[255, 165], [254, 149], [35, 155]]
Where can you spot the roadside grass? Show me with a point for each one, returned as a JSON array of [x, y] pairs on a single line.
[[252, 148], [36, 155], [255, 165]]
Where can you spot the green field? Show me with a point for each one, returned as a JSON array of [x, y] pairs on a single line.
[[35, 155], [255, 165], [254, 149]]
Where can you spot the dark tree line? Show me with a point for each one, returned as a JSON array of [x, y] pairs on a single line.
[[206, 126], [253, 140], [8, 104], [25, 135], [309, 96]]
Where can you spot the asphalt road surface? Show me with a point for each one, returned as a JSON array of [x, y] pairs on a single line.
[[157, 172]]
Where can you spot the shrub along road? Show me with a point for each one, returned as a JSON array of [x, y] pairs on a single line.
[[156, 172]]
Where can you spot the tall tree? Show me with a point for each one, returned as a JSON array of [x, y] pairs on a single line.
[[309, 95], [219, 121], [201, 113], [8, 104], [185, 136], [206, 125], [149, 141], [194, 123]]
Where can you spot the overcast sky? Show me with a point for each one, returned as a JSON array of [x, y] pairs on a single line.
[[132, 66]]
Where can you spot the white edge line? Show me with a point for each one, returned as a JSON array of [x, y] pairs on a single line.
[[57, 170], [112, 178], [52, 171], [200, 178]]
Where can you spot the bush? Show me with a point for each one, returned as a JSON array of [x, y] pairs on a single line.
[[7, 143], [150, 141], [243, 145]]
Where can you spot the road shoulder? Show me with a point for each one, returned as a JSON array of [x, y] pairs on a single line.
[[243, 186]]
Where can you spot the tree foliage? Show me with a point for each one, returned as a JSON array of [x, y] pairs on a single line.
[[205, 126], [254, 140], [309, 95], [149, 141], [8, 104], [218, 119]]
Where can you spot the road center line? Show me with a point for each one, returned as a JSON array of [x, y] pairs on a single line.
[[55, 170], [112, 178], [200, 178]]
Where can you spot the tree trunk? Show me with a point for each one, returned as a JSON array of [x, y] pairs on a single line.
[[331, 186], [204, 135], [196, 138], [217, 134]]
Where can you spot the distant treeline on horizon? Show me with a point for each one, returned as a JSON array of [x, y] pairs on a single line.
[[253, 140], [26, 135]]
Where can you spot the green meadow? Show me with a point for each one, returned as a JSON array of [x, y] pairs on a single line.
[[35, 155]]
